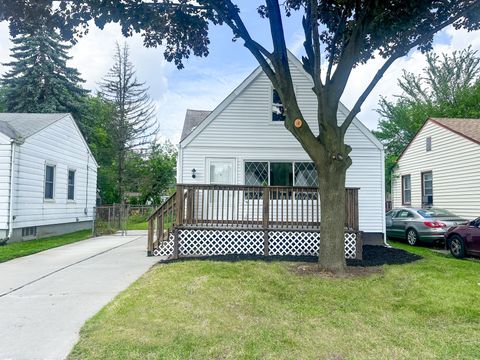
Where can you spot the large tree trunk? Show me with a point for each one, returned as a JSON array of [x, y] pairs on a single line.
[[332, 205]]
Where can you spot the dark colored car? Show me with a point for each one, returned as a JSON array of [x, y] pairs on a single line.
[[464, 239], [414, 225]]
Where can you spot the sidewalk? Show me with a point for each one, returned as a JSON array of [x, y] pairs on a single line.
[[45, 298]]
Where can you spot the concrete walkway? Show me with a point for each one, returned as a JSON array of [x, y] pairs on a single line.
[[45, 298]]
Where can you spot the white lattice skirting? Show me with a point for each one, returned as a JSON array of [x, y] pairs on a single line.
[[225, 242]]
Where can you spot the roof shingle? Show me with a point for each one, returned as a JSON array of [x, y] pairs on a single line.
[[469, 128], [22, 125], [193, 118]]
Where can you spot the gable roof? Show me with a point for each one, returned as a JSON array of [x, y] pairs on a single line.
[[19, 126], [194, 131], [467, 128], [193, 118]]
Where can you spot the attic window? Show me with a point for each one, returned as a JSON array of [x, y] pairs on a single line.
[[428, 143], [277, 107]]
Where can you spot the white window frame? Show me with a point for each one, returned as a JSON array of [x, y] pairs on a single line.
[[208, 162], [74, 184], [293, 162], [49, 164]]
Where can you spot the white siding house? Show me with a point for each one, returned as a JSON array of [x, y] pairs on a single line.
[[439, 168], [242, 133], [48, 176]]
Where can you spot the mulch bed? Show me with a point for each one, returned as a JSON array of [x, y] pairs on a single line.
[[373, 256]]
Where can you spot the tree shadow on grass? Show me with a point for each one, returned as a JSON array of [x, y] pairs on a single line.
[[372, 256]]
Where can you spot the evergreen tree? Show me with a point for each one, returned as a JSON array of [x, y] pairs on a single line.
[[39, 79], [133, 124]]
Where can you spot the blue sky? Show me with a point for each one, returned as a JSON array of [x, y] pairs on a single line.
[[205, 82]]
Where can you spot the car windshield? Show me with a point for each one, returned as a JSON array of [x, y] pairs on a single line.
[[435, 212]]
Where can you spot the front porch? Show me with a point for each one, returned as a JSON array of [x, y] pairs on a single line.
[[206, 220]]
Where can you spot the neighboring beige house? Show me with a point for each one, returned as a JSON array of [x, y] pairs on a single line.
[[440, 168]]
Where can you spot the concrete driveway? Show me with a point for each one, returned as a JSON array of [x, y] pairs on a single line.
[[45, 298]]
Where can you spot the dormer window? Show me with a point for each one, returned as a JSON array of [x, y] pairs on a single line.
[[277, 107], [428, 143]]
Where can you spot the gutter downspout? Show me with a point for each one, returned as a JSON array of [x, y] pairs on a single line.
[[384, 225], [10, 205]]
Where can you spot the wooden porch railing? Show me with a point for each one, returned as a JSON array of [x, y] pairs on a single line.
[[243, 207]]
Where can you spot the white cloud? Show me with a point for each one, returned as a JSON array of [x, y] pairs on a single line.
[[387, 86], [204, 83]]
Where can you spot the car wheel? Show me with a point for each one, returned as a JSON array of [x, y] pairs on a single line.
[[457, 246], [412, 237]]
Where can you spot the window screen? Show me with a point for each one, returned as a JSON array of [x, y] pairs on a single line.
[[29, 231], [428, 143], [406, 190], [427, 188], [71, 185], [49, 181]]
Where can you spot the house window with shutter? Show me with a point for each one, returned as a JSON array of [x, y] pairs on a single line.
[[406, 190], [49, 182], [428, 143]]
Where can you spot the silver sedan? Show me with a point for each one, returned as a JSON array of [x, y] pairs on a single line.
[[428, 225]]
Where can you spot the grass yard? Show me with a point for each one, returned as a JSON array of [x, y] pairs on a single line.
[[24, 248], [137, 225], [428, 309]]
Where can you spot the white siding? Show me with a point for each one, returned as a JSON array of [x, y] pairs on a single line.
[[453, 165], [4, 183], [61, 145], [244, 131]]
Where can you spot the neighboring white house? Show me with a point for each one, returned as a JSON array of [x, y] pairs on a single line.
[[244, 141], [48, 176], [439, 168]]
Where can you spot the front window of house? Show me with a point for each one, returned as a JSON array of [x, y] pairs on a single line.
[[406, 190], [281, 173], [277, 107], [305, 174], [49, 182], [427, 188], [256, 173], [221, 171]]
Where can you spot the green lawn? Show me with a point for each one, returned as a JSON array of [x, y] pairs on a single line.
[[137, 225], [18, 249], [196, 309]]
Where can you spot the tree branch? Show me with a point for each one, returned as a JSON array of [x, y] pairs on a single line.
[[401, 51], [317, 69], [333, 46], [235, 22]]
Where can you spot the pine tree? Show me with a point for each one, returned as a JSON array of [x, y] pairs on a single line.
[[39, 79], [133, 124]]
